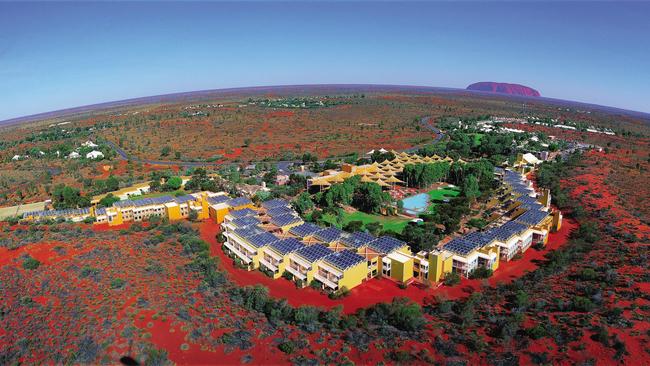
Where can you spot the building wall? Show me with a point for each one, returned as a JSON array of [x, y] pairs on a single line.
[[439, 266], [218, 214], [401, 271], [174, 213], [354, 276]]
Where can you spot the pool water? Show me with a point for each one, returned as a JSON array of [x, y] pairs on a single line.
[[417, 204]]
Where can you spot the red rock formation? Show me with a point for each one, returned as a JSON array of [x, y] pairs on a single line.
[[504, 88]]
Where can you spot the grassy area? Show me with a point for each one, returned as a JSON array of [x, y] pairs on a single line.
[[158, 194], [393, 223], [441, 194]]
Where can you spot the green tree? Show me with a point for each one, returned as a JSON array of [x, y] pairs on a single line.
[[173, 183], [470, 188], [108, 200], [303, 203]]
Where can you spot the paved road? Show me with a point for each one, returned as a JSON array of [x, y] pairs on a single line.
[[283, 165]]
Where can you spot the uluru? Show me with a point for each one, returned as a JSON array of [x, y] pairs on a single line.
[[504, 88]]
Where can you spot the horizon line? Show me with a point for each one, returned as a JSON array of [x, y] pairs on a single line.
[[126, 102]]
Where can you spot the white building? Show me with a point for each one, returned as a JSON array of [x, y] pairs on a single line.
[[74, 155], [89, 144], [94, 155]]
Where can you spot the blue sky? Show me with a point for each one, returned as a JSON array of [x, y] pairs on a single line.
[[61, 55]]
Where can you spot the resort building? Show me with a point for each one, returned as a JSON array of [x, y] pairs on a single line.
[[344, 269], [303, 262], [384, 173], [274, 239]]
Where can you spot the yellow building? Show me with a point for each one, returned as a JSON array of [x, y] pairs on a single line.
[[440, 264], [275, 256], [344, 269], [303, 263]]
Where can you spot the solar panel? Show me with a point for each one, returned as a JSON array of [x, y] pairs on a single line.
[[184, 198], [461, 246], [245, 221], [305, 229], [284, 220], [329, 235], [276, 202], [239, 201], [248, 231], [243, 213], [508, 230], [262, 239], [527, 199], [344, 259], [286, 246], [478, 238], [386, 244], [218, 199], [357, 239], [314, 252], [532, 217], [280, 210]]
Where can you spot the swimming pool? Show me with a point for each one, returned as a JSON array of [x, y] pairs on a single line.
[[417, 204]]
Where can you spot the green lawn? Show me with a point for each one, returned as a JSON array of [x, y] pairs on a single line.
[[441, 194], [393, 223]]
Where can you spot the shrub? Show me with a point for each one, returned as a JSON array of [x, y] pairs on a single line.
[[287, 347], [341, 293], [117, 283], [588, 274], [536, 332], [30, 263], [481, 272], [452, 279], [315, 285], [582, 304]]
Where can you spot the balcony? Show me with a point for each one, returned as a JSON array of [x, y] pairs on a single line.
[[268, 265], [238, 252], [296, 273], [325, 281]]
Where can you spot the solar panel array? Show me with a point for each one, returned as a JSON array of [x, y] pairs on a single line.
[[101, 211], [239, 201], [329, 235], [248, 231], [286, 246], [144, 202], [386, 244], [286, 219], [262, 239], [357, 239], [344, 259], [479, 238], [276, 202], [218, 199], [305, 229], [532, 217], [527, 199], [314, 252], [243, 213], [245, 221], [280, 210], [184, 198], [58, 213], [508, 230], [461, 246]]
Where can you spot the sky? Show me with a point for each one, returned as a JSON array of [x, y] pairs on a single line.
[[63, 55]]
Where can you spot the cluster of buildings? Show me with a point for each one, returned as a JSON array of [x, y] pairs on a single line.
[[273, 238], [384, 173]]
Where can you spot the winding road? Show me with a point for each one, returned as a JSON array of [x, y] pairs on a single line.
[[282, 165]]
